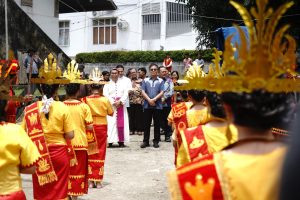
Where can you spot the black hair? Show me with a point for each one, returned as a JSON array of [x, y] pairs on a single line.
[[2, 110], [128, 72], [72, 89], [197, 95], [216, 104], [260, 110], [113, 69], [176, 72], [96, 86], [153, 64], [143, 69], [104, 73], [49, 90], [120, 66]]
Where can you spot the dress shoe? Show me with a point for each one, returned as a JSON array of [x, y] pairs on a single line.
[[110, 145], [121, 144], [144, 145], [155, 145], [168, 139]]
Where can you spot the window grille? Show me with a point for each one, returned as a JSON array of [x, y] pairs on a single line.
[[151, 21], [105, 31], [64, 33], [179, 19]]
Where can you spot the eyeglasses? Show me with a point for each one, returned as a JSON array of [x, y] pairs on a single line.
[[153, 69]]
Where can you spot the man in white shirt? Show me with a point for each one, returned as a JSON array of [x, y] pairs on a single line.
[[126, 81]]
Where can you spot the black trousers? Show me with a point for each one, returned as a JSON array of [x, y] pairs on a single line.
[[150, 114], [136, 118], [164, 122]]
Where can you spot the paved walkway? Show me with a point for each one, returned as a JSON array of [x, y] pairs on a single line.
[[131, 173]]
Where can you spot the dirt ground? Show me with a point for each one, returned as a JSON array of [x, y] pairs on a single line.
[[131, 173]]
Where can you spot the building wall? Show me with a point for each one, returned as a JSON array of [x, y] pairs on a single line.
[[42, 13], [81, 31]]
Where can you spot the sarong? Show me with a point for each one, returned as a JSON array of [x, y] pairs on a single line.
[[61, 164], [96, 161], [78, 178], [19, 195]]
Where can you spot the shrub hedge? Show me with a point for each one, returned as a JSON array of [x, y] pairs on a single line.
[[141, 56]]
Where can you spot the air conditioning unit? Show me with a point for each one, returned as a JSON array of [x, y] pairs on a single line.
[[94, 13], [123, 25]]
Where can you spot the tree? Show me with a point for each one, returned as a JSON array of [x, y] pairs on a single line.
[[208, 15]]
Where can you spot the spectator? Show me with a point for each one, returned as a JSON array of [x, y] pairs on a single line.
[[152, 91], [166, 102], [142, 72], [175, 77], [187, 62], [136, 100], [32, 64], [199, 60], [168, 62], [106, 75]]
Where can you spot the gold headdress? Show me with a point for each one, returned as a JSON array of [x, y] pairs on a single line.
[[96, 77], [264, 63], [73, 74], [50, 73], [196, 79]]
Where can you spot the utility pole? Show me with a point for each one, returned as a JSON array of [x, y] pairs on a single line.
[[6, 30]]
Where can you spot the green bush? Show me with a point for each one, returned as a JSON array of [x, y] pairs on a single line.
[[141, 56]]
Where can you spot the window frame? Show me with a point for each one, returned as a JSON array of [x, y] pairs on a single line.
[[110, 29], [64, 28]]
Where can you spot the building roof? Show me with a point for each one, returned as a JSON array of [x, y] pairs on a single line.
[[69, 6]]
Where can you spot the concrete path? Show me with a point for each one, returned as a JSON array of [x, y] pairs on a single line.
[[131, 173]]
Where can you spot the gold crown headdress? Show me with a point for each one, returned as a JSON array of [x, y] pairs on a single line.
[[96, 77], [73, 74], [50, 73], [196, 78], [263, 63]]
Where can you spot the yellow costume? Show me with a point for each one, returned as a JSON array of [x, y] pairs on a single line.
[[16, 151], [59, 123], [81, 117], [228, 175], [100, 108], [202, 140]]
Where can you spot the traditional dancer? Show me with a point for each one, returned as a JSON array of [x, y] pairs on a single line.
[[100, 108], [255, 101], [49, 124]]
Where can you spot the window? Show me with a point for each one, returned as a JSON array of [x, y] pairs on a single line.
[[26, 3], [179, 19], [64, 33], [151, 21], [105, 31]]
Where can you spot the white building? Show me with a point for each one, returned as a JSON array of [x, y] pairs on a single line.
[[138, 25], [44, 13]]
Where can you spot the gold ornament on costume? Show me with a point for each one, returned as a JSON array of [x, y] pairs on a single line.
[[43, 165], [196, 143], [50, 73], [33, 119], [90, 137], [200, 190], [72, 73], [265, 63]]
